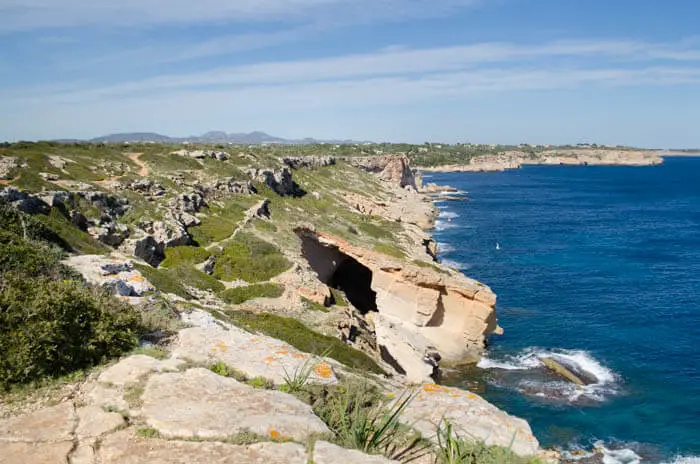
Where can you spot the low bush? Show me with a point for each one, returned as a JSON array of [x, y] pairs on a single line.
[[49, 328], [239, 295], [302, 338], [176, 280], [251, 259]]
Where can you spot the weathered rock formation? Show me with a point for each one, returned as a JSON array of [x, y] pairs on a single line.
[[421, 315], [279, 180], [7, 165], [306, 162], [118, 276], [394, 169], [202, 154]]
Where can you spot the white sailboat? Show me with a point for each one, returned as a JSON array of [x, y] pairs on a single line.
[[498, 247]]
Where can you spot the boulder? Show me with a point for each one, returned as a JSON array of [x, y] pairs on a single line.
[[111, 233], [198, 403], [131, 370], [170, 233], [471, 416], [49, 424], [48, 176], [145, 248], [230, 185]]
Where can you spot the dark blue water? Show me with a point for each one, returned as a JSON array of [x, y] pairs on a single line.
[[603, 262]]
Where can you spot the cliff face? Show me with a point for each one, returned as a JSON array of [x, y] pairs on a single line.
[[421, 314], [575, 157], [393, 169]]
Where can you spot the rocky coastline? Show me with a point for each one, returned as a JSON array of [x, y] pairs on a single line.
[[573, 157], [212, 376]]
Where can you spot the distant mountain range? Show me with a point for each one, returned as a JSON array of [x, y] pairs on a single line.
[[253, 138]]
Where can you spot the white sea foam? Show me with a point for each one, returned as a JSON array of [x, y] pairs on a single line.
[[448, 214], [448, 193], [685, 460], [445, 248], [618, 456], [605, 383], [435, 202], [444, 225], [454, 264]]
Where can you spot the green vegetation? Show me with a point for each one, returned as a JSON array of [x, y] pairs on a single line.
[[177, 279], [51, 324], [338, 298], [182, 255], [313, 306], [74, 238], [295, 382], [302, 338], [238, 295], [455, 450], [360, 417], [170, 162], [224, 370], [390, 250], [212, 229], [251, 259], [147, 432]]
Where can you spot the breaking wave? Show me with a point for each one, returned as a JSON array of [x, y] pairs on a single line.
[[685, 460], [536, 380], [454, 264], [448, 214]]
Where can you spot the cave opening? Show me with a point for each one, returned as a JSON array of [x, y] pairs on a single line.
[[340, 271]]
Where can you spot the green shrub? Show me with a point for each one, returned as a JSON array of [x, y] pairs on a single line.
[[452, 449], [49, 328], [76, 239], [177, 256], [338, 297], [238, 295], [302, 338], [251, 259], [361, 418], [224, 370], [212, 229]]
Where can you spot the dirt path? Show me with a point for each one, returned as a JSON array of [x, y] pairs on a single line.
[[143, 172], [8, 181]]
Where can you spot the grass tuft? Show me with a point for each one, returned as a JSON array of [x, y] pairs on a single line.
[[238, 295]]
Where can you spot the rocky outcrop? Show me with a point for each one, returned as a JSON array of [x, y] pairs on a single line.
[[118, 276], [202, 154], [23, 201], [423, 314], [230, 185], [307, 162], [576, 157], [407, 207], [394, 169], [471, 416], [145, 248], [279, 180], [8, 164]]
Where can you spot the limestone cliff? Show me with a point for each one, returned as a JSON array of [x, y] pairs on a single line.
[[421, 314], [574, 157]]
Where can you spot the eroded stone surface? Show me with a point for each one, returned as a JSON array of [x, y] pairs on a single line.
[[52, 424], [106, 396], [124, 448], [34, 453], [255, 355], [93, 421], [199, 403], [132, 369], [471, 416], [328, 453]]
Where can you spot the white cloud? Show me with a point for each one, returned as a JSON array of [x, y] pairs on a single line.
[[35, 14], [410, 64]]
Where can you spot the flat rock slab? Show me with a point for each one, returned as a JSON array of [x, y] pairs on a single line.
[[200, 403], [328, 453], [93, 421], [123, 448], [52, 424], [35, 453], [255, 355], [471, 417], [133, 369]]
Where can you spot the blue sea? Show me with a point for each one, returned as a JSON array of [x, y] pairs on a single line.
[[598, 268]]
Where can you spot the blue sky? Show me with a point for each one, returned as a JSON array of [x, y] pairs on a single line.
[[490, 71]]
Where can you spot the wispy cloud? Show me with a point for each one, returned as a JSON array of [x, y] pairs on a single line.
[[630, 60], [36, 14]]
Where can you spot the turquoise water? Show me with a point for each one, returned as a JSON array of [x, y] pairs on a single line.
[[598, 267]]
